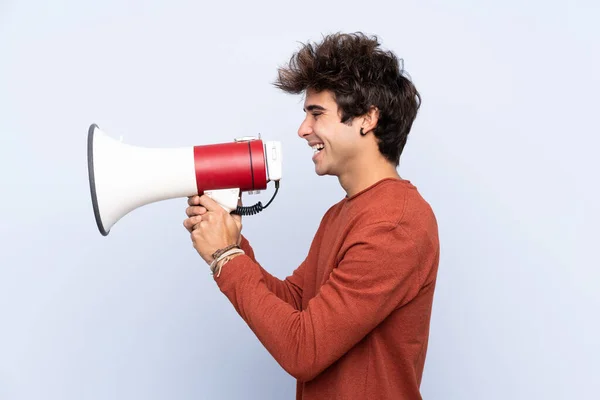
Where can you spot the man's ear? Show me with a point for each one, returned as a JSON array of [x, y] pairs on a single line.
[[370, 120]]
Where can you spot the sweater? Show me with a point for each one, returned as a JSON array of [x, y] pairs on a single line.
[[352, 320]]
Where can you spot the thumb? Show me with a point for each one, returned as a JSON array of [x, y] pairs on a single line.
[[238, 219]]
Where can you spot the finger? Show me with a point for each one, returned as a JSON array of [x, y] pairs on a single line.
[[210, 204], [195, 210], [200, 224], [193, 200], [189, 223]]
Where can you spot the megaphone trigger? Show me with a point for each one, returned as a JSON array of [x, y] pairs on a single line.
[[227, 198]]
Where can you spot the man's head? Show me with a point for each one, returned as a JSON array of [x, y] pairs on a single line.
[[357, 98]]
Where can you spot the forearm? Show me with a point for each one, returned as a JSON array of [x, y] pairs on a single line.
[[273, 319], [286, 290]]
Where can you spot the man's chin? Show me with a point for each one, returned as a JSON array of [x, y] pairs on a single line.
[[322, 172]]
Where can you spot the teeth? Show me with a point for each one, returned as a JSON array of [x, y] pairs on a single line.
[[317, 147]]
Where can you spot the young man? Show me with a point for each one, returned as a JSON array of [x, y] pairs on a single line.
[[352, 321]]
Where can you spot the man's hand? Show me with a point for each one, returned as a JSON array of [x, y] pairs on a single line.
[[211, 227]]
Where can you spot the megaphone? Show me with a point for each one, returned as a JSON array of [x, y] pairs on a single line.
[[123, 177]]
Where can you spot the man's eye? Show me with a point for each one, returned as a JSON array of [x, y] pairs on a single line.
[[316, 114]]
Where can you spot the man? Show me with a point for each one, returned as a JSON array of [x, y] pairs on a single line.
[[352, 321]]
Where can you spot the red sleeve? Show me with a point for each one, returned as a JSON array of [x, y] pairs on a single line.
[[378, 271], [289, 289]]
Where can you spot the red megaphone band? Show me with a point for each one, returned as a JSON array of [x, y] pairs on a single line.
[[231, 165]]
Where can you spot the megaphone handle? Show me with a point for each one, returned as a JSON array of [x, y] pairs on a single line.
[[227, 198]]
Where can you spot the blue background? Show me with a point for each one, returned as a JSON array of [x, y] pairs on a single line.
[[504, 149]]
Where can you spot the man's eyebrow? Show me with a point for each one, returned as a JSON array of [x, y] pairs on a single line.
[[313, 107]]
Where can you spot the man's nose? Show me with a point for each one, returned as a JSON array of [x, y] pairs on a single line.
[[305, 129]]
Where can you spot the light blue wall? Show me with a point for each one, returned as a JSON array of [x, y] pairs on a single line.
[[505, 150]]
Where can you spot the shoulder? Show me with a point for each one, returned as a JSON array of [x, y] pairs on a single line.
[[390, 201], [394, 221], [396, 205]]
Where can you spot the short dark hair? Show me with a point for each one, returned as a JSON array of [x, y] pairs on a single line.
[[360, 75]]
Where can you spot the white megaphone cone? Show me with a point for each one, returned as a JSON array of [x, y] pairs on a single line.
[[124, 177]]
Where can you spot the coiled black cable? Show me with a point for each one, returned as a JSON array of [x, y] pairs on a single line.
[[256, 208]]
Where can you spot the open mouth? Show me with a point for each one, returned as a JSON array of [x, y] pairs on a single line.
[[318, 147]]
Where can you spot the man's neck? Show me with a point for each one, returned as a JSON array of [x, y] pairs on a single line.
[[366, 173]]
